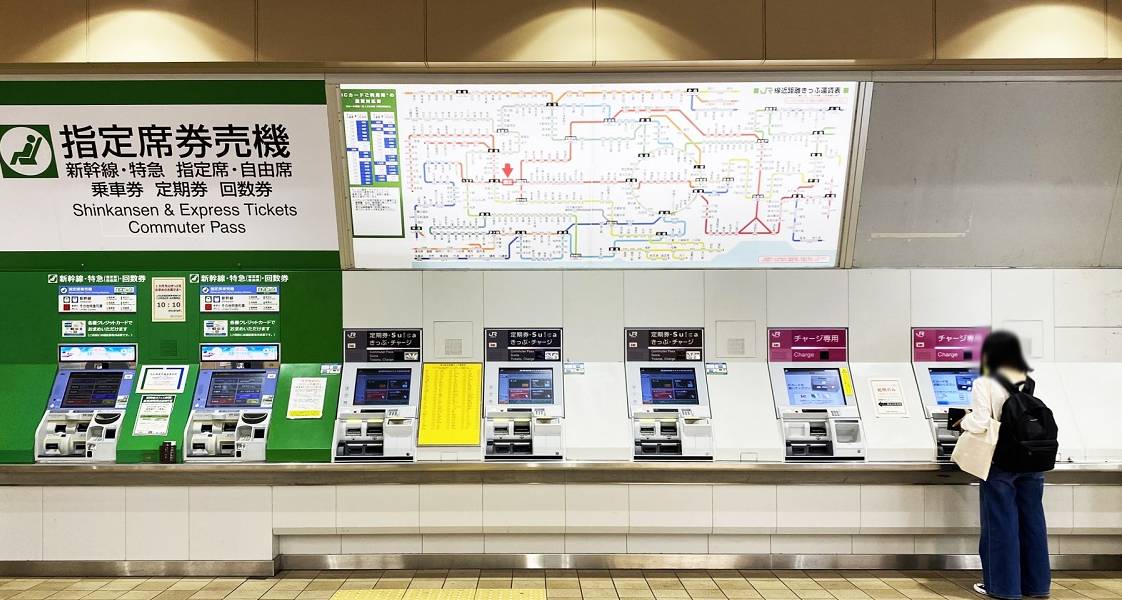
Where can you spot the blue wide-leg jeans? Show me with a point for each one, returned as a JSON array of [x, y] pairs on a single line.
[[1014, 539]]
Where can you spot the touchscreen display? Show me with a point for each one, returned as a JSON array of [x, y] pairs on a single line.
[[525, 386], [235, 389], [92, 389], [382, 387], [953, 386], [669, 386], [814, 387]]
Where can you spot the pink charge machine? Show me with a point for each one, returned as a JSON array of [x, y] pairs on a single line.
[[945, 360], [813, 392]]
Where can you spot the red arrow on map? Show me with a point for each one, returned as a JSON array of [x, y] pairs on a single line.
[[507, 169]]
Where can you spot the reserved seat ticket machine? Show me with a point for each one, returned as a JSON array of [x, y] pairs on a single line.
[[87, 403], [945, 360], [667, 395], [523, 394], [813, 392], [378, 398], [233, 403]]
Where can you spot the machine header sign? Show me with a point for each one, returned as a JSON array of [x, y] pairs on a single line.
[[381, 345], [679, 344], [165, 165], [947, 344], [807, 344], [513, 345], [239, 298]]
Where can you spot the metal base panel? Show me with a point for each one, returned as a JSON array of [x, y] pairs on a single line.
[[925, 562], [139, 568]]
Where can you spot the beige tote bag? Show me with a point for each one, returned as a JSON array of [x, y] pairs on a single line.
[[974, 451]]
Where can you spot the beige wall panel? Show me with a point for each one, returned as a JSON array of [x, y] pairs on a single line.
[[523, 31], [665, 30], [44, 31], [381, 31], [171, 31], [1020, 29], [898, 31]]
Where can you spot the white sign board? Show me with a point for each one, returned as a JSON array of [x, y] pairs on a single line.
[[888, 397], [153, 415], [602, 175], [239, 298], [162, 379], [165, 165]]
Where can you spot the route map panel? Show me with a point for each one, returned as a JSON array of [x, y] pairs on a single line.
[[595, 175]]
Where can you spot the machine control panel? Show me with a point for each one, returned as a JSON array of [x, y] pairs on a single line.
[[523, 393], [667, 393], [232, 405], [813, 391], [945, 361], [379, 395], [87, 403]]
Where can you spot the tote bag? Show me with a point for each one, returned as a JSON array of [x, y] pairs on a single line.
[[974, 451]]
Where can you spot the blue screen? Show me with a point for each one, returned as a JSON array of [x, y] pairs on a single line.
[[669, 386], [525, 386], [382, 387], [953, 386], [814, 387], [235, 389]]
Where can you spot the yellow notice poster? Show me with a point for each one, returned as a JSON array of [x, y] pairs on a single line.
[[451, 400]]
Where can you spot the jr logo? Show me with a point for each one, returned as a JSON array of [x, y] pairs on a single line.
[[26, 152]]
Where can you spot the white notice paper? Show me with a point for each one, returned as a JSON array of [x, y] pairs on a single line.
[[889, 397], [306, 399], [169, 299], [152, 418], [166, 379]]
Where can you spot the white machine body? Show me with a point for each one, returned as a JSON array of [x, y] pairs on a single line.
[[670, 416], [379, 396], [817, 410], [523, 395], [86, 409], [943, 386], [232, 404]]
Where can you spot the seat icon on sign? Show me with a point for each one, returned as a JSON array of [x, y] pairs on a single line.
[[26, 152]]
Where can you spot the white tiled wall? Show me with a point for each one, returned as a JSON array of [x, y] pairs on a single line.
[[818, 509], [157, 523], [90, 514], [21, 523]]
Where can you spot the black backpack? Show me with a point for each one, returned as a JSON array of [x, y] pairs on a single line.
[[1027, 439]]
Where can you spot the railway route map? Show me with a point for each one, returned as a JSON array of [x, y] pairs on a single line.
[[597, 175]]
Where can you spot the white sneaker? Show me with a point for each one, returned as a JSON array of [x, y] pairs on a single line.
[[980, 588]]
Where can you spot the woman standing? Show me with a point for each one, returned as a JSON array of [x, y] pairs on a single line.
[[1014, 538]]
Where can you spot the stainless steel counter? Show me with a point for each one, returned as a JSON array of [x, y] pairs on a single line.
[[523, 472]]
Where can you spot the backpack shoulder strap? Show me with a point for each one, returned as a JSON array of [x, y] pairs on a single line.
[[1029, 385], [1005, 383]]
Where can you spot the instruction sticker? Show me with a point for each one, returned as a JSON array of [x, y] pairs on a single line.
[[216, 328], [306, 399], [889, 397], [169, 299], [73, 329], [847, 382], [97, 298], [153, 416]]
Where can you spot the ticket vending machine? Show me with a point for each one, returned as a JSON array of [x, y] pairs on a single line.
[[813, 392], [523, 394], [232, 403], [87, 403], [379, 396], [667, 394], [946, 361]]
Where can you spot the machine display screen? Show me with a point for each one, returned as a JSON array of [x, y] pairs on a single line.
[[382, 387], [92, 389], [668, 386], [953, 386], [235, 389], [525, 386], [814, 387]]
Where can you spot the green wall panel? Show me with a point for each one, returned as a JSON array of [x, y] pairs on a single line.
[[302, 440]]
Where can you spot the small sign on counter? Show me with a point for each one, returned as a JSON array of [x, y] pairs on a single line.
[[153, 415], [889, 397]]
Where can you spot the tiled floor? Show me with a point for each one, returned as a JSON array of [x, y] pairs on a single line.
[[550, 584]]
